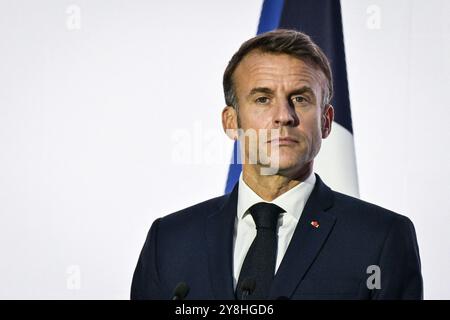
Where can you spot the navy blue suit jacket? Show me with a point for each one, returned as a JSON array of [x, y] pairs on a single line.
[[331, 261]]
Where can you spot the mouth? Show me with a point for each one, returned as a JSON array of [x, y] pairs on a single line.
[[284, 141]]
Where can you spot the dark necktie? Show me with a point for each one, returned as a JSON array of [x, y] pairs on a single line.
[[259, 263]]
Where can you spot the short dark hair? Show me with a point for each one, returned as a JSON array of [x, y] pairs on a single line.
[[281, 41]]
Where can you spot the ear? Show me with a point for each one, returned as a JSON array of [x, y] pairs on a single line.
[[327, 120], [229, 122]]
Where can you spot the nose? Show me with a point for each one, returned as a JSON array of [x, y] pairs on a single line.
[[285, 114]]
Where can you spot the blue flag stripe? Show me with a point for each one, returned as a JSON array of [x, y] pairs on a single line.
[[270, 15], [234, 170]]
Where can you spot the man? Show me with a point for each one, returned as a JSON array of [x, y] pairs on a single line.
[[280, 233]]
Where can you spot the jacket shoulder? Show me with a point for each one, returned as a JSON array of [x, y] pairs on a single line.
[[194, 213], [356, 209]]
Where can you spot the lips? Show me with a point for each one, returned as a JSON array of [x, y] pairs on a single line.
[[284, 141]]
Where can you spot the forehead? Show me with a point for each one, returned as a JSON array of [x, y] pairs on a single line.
[[268, 69]]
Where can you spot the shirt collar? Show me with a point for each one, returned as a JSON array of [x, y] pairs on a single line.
[[293, 201]]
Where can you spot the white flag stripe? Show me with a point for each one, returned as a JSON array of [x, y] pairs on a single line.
[[336, 163]]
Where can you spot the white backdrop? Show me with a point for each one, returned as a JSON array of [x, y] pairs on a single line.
[[110, 117]]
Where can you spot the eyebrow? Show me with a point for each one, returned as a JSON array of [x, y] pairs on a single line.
[[304, 89], [260, 90]]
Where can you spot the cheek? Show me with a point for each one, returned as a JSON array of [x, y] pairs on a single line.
[[311, 133], [310, 124], [316, 138], [255, 118]]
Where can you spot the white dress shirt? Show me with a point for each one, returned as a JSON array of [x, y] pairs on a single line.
[[292, 201]]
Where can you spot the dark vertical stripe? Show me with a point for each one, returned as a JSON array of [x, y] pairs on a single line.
[[321, 19]]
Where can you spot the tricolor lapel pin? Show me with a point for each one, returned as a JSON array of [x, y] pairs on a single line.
[[315, 224]]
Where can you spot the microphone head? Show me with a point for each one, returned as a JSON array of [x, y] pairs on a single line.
[[180, 292]]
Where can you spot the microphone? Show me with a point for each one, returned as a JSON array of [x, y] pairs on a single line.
[[247, 287], [181, 291]]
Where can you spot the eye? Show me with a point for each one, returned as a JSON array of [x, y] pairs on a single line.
[[298, 99], [262, 100]]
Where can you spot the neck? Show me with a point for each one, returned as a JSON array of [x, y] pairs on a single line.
[[271, 187]]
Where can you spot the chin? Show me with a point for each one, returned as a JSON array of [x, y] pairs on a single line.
[[291, 163], [287, 167]]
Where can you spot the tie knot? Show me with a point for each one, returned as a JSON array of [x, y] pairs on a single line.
[[265, 215]]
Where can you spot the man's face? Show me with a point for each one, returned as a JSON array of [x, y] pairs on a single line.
[[278, 91]]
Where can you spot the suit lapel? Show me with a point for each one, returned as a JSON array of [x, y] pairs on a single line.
[[306, 242], [219, 239]]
